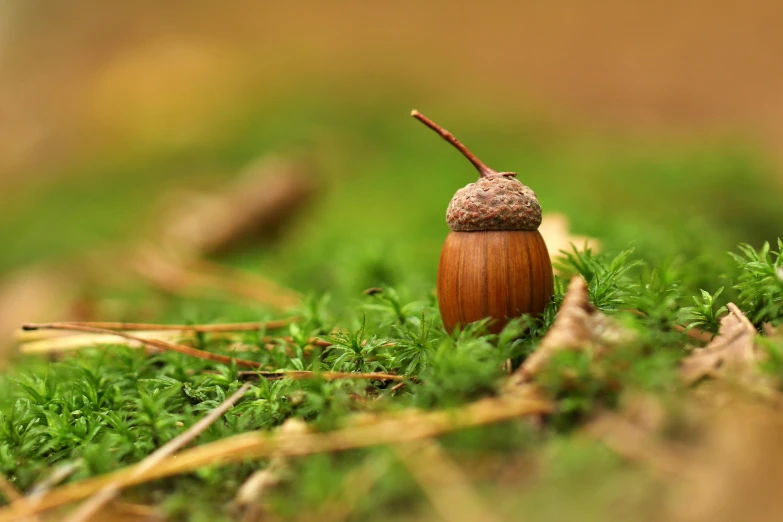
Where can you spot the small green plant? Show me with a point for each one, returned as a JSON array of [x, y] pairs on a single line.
[[413, 346], [355, 352], [659, 292], [704, 315], [389, 306], [760, 283], [609, 280]]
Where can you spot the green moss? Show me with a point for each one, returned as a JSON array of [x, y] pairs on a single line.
[[379, 221]]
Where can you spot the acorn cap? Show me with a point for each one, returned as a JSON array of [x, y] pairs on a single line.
[[496, 201]]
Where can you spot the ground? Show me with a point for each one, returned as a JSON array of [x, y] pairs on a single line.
[[687, 187]]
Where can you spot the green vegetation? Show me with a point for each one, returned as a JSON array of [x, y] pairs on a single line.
[[666, 216]]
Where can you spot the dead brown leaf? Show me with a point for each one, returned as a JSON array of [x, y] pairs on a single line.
[[557, 234], [252, 208], [737, 470], [201, 278], [578, 326], [732, 352], [637, 442]]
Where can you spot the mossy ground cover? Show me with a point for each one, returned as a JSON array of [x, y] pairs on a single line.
[[667, 216]]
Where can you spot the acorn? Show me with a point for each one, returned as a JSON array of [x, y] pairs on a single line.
[[494, 262]]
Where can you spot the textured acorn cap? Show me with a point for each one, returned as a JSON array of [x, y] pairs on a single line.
[[494, 203]]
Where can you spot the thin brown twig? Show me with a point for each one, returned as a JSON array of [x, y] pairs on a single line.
[[224, 327], [483, 169], [390, 429], [445, 484], [110, 490], [225, 359], [300, 375], [12, 494], [65, 343], [315, 341], [155, 343], [61, 340], [40, 489], [59, 474], [398, 386]]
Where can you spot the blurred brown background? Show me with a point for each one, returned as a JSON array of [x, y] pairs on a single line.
[[78, 78]]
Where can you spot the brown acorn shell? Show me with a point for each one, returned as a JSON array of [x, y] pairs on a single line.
[[498, 274]]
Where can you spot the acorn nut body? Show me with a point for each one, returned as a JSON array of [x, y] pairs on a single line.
[[493, 273], [494, 262]]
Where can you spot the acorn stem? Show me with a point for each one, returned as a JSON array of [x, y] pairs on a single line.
[[484, 170]]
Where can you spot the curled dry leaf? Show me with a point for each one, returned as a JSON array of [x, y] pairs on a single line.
[[578, 326], [732, 351]]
